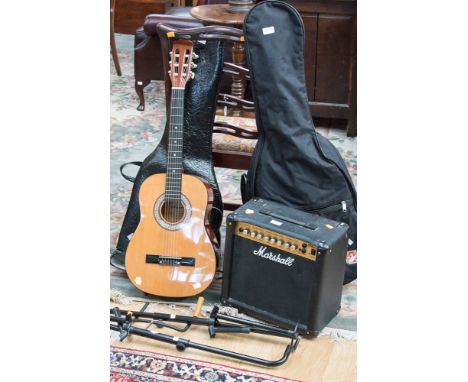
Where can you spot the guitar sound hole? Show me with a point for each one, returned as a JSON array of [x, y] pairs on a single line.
[[172, 212]]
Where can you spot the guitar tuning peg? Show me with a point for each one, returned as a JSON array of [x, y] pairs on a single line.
[[192, 65], [195, 56], [192, 75]]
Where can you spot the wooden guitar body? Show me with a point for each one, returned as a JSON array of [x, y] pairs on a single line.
[[171, 252]]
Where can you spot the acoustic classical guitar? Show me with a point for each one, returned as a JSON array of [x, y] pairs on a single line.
[[171, 253]]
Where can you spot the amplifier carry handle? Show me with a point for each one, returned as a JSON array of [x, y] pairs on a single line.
[[288, 219]]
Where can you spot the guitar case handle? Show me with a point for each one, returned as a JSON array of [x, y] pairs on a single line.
[[128, 177]]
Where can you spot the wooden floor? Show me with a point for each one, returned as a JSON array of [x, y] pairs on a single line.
[[319, 359]]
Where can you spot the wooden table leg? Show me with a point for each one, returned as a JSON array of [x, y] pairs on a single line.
[[238, 84]]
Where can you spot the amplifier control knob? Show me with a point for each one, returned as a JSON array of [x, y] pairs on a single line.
[[273, 240], [293, 246], [259, 235], [253, 233], [244, 230], [287, 245], [279, 242], [267, 238]]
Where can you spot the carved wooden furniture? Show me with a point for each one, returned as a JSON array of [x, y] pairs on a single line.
[[330, 27], [234, 154], [115, 56], [220, 14], [148, 60]]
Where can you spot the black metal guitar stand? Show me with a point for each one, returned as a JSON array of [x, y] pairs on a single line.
[[123, 321]]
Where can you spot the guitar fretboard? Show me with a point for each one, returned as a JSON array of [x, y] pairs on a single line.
[[175, 145]]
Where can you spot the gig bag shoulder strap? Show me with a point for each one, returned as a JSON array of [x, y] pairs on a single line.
[[128, 177]]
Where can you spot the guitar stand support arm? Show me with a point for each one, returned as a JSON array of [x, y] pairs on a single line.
[[214, 323], [125, 327]]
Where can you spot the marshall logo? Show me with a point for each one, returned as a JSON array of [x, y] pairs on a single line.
[[276, 258]]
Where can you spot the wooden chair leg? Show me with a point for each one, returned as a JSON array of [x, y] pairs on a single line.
[[115, 56], [238, 84], [139, 87], [351, 127]]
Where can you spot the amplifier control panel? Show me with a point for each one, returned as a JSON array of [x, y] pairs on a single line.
[[276, 240]]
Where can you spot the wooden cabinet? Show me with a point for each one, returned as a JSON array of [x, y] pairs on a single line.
[[330, 52], [130, 14], [330, 59]]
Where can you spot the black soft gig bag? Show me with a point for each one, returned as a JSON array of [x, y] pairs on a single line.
[[292, 163], [199, 114]]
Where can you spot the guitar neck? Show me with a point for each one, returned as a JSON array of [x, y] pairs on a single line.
[[175, 145]]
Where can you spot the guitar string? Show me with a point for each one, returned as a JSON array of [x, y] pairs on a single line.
[[177, 153], [170, 166], [184, 72], [174, 176], [170, 162], [174, 162], [177, 162]]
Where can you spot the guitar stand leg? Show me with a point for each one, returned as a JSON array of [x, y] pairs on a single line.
[[182, 344], [125, 326]]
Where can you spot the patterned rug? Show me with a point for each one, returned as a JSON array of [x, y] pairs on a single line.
[[135, 134], [137, 366]]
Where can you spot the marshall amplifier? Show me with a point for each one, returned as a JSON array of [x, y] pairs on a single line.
[[283, 265]]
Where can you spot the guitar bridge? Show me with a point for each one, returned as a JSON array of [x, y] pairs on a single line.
[[170, 260]]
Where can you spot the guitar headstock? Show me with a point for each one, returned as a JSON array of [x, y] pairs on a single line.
[[181, 64]]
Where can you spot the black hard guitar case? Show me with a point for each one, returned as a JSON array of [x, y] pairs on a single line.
[[199, 114], [292, 163]]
